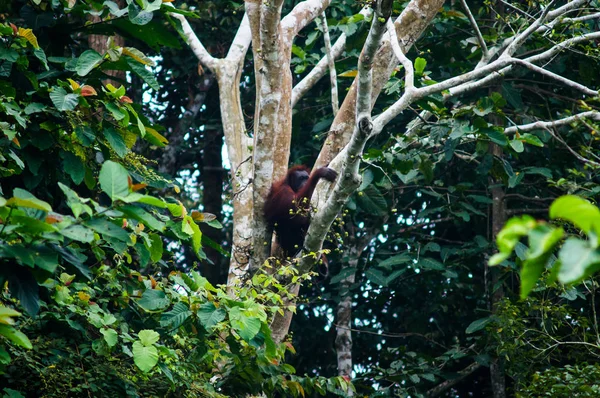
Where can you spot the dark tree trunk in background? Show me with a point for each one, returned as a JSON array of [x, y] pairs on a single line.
[[171, 158], [212, 175], [99, 43]]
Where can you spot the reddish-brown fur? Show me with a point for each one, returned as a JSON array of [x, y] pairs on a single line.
[[287, 210]]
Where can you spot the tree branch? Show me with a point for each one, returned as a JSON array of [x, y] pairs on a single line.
[[320, 68], [303, 14], [478, 34], [335, 105], [349, 179], [556, 123], [194, 42]]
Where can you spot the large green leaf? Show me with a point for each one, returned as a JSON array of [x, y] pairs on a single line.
[[247, 326], [153, 300], [116, 141], [144, 357], [15, 336], [78, 233], [87, 61], [137, 213], [62, 100], [141, 71], [148, 337], [176, 317], [109, 229], [210, 315], [542, 241], [23, 198], [578, 211], [110, 336], [114, 180], [479, 324], [578, 259]]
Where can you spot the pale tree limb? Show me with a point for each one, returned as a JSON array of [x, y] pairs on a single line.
[[567, 82], [349, 178], [409, 70], [478, 34], [331, 62], [523, 36], [319, 70], [303, 14], [563, 45], [268, 102], [241, 41], [595, 115], [411, 23], [228, 73], [194, 42]]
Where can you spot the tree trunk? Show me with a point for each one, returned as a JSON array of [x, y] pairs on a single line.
[[497, 376]]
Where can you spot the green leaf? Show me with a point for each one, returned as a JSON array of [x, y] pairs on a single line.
[[87, 61], [430, 263], [517, 146], [344, 273], [140, 70], [479, 324], [189, 225], [144, 357], [542, 241], [247, 326], [62, 100], [78, 233], [116, 141], [513, 231], [74, 167], [15, 336], [110, 336], [176, 317], [578, 211], [420, 64], [23, 198], [143, 216], [156, 247], [138, 17], [114, 180], [395, 260], [148, 337], [108, 229], [531, 140], [578, 259], [210, 315], [376, 276], [495, 135], [153, 300]]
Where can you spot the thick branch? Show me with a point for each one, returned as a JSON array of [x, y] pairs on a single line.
[[349, 179], [194, 42], [241, 41], [303, 14], [409, 71], [556, 123]]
